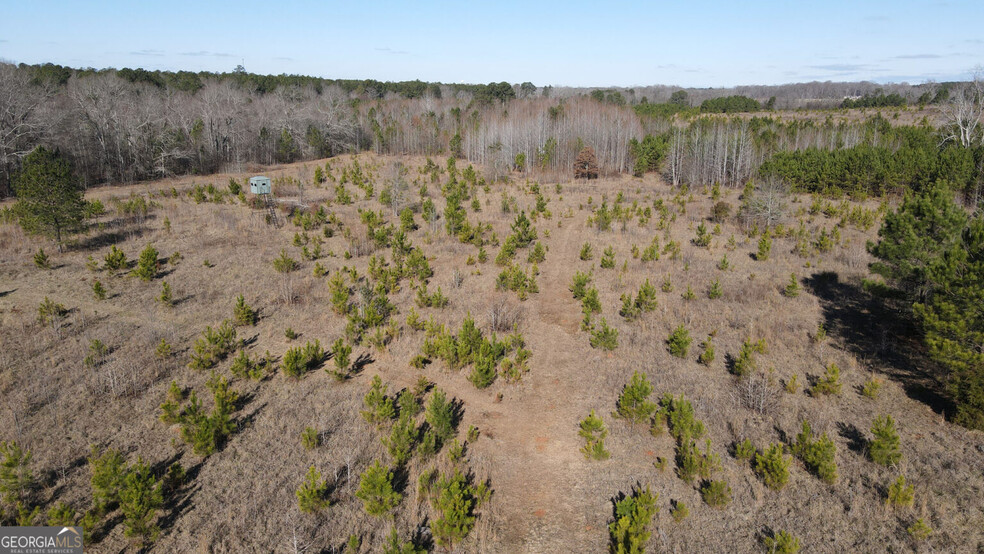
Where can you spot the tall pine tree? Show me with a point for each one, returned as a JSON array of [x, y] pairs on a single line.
[[49, 197]]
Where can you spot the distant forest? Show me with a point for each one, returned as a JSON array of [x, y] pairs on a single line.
[[121, 126]]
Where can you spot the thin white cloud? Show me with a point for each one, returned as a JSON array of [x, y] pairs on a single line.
[[918, 57], [207, 53]]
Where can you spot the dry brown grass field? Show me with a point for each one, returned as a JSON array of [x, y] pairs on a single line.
[[546, 496]]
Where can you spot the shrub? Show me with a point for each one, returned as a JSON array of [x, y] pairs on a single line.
[[633, 403], [108, 471], [681, 418], [341, 354], [772, 467], [817, 455], [284, 263], [900, 493], [244, 314], [691, 462], [707, 355], [115, 259], [745, 362], [310, 438], [140, 498], [299, 360], [214, 346], [590, 303], [782, 542], [311, 495], [884, 448], [629, 310], [166, 297], [440, 416], [716, 494], [764, 248], [379, 407], [651, 252], [579, 285], [703, 238], [515, 279], [720, 212], [290, 333], [16, 479], [715, 290], [61, 515], [593, 432], [870, 388], [792, 289], [678, 342], [724, 264], [744, 450], [629, 533], [829, 383], [435, 300], [403, 435], [98, 290], [41, 259], [455, 499], [147, 264], [586, 252], [689, 294], [679, 511], [483, 373], [376, 490], [538, 254], [919, 530], [608, 258], [604, 337], [49, 311], [339, 294]]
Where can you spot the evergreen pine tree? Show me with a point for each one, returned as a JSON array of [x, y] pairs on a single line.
[[629, 533], [376, 490], [311, 495], [108, 473], [884, 448], [49, 196], [243, 313], [379, 407], [147, 264], [16, 479], [913, 239], [679, 342], [633, 403], [773, 467], [140, 498], [593, 432]]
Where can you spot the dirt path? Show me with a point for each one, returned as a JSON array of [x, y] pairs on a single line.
[[533, 427]]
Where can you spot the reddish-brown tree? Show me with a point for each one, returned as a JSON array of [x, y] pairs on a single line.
[[586, 164]]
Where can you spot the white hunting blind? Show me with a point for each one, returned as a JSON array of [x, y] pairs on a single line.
[[259, 185]]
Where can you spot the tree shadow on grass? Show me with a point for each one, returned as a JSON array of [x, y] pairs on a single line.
[[855, 438], [885, 337]]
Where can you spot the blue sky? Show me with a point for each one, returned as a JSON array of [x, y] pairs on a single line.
[[689, 43]]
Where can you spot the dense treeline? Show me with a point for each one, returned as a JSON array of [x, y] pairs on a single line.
[[730, 104], [878, 100], [900, 157], [133, 124]]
